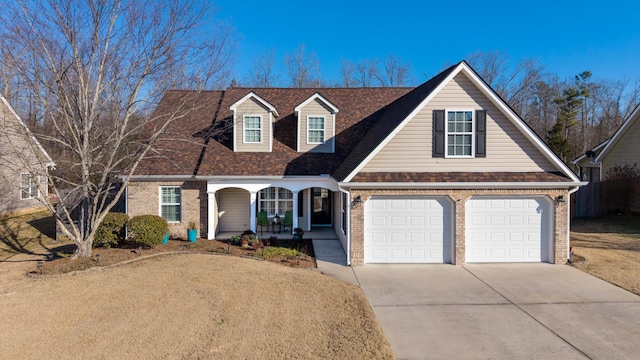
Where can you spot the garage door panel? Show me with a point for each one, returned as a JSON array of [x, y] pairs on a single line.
[[507, 229], [413, 230], [398, 221]]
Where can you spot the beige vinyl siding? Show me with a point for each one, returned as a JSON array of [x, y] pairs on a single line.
[[234, 208], [508, 150], [316, 108], [252, 107], [625, 151]]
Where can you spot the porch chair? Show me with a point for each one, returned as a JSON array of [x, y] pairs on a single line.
[[288, 220], [263, 220]]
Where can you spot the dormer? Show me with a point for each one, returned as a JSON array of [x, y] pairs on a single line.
[[316, 125], [253, 124]]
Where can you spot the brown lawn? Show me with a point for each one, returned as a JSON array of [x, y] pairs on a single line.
[[611, 246], [196, 305]]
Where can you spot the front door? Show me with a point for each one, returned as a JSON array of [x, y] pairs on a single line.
[[321, 211]]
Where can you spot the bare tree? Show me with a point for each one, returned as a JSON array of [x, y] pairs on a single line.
[[366, 73], [396, 73], [347, 73], [93, 70], [303, 69], [262, 72]]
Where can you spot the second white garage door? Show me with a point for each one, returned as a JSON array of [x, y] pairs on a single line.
[[508, 229], [408, 230]]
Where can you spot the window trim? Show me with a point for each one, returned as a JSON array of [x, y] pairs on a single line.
[[324, 129], [472, 133], [34, 181], [276, 201], [244, 128], [160, 203]]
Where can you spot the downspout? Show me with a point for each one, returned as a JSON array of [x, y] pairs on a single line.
[[348, 233]]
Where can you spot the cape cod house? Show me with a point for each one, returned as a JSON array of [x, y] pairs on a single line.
[[442, 173]]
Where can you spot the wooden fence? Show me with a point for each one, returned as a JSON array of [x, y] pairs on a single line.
[[611, 196]]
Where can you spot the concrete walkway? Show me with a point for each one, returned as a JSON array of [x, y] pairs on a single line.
[[510, 311], [332, 260]]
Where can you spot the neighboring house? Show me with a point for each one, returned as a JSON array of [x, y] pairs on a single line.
[[442, 173], [597, 164], [23, 165]]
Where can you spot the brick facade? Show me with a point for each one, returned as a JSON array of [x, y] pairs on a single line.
[[460, 198], [143, 198]]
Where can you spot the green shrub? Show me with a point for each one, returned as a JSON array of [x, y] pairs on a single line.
[[147, 230], [271, 252], [111, 231]]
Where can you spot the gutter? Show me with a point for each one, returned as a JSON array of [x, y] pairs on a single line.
[[464, 185], [229, 178]]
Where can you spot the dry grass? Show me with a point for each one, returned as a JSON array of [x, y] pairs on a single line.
[[611, 246], [180, 306]]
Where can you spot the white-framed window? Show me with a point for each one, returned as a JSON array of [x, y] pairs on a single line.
[[28, 186], [275, 200], [460, 133], [171, 203], [315, 129], [252, 125]]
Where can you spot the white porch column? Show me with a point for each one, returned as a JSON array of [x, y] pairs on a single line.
[[295, 211], [254, 211], [212, 215]]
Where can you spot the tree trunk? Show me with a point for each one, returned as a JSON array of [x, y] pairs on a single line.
[[83, 248]]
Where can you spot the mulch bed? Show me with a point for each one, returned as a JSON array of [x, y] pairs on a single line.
[[60, 262]]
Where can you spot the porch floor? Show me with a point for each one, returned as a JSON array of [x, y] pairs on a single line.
[[316, 233]]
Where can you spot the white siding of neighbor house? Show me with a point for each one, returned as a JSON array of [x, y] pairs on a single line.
[[316, 108], [234, 207], [252, 107], [508, 149], [626, 150]]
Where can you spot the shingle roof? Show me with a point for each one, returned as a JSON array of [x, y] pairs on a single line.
[[366, 117], [182, 150]]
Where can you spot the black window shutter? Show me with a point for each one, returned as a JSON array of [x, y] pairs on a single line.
[[438, 133], [481, 133]]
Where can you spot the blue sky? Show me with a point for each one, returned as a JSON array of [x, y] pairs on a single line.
[[567, 37]]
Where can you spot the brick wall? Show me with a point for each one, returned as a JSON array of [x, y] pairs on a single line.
[[460, 198], [144, 198]]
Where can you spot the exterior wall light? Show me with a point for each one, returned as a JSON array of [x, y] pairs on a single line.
[[357, 202]]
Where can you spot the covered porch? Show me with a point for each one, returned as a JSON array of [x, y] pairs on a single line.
[[316, 233]]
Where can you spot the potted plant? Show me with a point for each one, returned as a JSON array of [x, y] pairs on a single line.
[[245, 241], [192, 231], [235, 240], [297, 234]]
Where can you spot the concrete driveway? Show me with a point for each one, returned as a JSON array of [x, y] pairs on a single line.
[[491, 311]]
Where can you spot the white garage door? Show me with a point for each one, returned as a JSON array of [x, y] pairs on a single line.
[[514, 229], [407, 230]]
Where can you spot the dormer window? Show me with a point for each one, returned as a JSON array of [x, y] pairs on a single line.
[[315, 129], [252, 129], [253, 119], [316, 125]]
